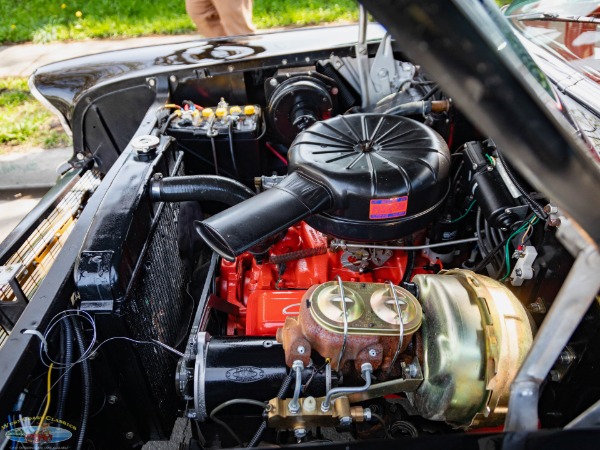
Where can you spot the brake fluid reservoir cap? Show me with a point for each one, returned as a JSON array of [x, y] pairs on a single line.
[[249, 110], [220, 112], [207, 112], [235, 110]]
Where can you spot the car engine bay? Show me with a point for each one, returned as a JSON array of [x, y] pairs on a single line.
[[326, 250]]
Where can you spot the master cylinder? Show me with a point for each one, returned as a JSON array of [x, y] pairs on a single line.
[[454, 350]]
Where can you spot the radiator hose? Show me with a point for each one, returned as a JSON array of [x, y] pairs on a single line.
[[199, 188]]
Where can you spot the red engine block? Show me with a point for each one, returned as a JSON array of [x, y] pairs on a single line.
[[267, 293]]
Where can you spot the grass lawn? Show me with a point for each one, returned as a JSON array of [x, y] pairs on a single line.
[[25, 123], [57, 20], [46, 21], [23, 120]]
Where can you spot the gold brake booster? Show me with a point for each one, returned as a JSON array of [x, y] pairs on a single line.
[[462, 343]]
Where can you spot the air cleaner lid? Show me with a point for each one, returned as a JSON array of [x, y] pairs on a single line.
[[380, 168]]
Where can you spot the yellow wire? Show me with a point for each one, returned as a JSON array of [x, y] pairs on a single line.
[[47, 399], [525, 234]]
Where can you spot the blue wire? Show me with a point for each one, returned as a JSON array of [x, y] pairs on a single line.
[[10, 424]]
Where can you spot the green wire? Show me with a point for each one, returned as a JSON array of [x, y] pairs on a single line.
[[510, 238], [490, 159], [465, 214]]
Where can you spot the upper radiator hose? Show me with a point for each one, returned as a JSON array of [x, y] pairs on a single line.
[[200, 188]]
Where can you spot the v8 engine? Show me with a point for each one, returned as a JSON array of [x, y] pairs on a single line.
[[353, 321]]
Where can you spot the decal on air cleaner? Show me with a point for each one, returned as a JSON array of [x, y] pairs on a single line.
[[388, 208]]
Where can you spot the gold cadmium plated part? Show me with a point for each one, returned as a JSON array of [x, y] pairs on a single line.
[[279, 415], [475, 338], [370, 309]]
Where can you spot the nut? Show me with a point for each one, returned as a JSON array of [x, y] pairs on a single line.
[[566, 357], [299, 433], [554, 222], [345, 421]]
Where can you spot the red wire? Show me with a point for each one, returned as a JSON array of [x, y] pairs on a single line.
[[276, 153], [451, 134]]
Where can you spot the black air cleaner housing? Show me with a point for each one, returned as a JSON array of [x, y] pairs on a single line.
[[361, 177], [388, 174]]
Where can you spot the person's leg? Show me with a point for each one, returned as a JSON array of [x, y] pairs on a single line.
[[206, 17], [236, 16]]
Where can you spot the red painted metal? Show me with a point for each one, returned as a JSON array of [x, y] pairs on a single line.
[[266, 294]]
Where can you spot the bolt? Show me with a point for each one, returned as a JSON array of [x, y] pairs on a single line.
[[284, 61], [151, 81], [112, 399], [191, 414], [367, 415], [307, 59], [301, 349], [527, 393], [550, 209], [555, 375], [554, 222], [372, 353], [508, 211], [535, 307], [345, 421], [173, 78], [80, 156], [409, 370], [382, 73], [273, 82], [518, 272], [129, 435], [566, 357], [299, 433]]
